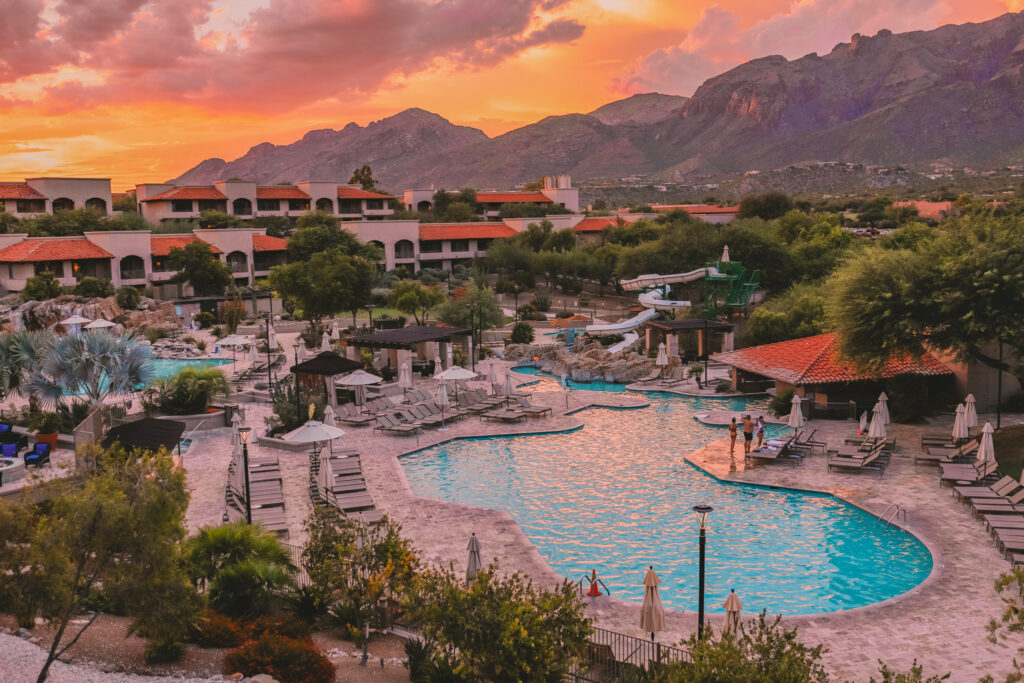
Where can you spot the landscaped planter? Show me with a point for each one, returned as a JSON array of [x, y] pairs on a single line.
[[50, 439], [211, 419]]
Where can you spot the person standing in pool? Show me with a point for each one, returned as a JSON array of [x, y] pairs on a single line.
[[732, 436], [748, 433], [760, 431]]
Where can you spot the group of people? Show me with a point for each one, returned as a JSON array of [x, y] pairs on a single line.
[[751, 428]]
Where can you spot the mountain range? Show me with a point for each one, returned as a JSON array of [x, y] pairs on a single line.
[[949, 97]]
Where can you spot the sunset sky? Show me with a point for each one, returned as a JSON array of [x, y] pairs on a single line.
[[140, 91]]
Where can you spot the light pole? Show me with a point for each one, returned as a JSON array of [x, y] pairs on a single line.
[[243, 434], [702, 514], [298, 405], [369, 309], [515, 289], [472, 335], [270, 379]]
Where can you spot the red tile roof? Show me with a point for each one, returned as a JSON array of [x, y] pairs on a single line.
[[50, 249], [204, 192], [695, 209], [18, 191], [464, 231], [933, 210], [355, 193], [596, 224], [815, 360], [511, 197], [161, 246], [268, 243], [280, 192]]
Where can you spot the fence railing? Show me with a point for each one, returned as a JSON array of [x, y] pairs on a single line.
[[833, 411], [300, 575]]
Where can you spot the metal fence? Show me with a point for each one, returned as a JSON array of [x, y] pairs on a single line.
[[300, 575], [832, 411]]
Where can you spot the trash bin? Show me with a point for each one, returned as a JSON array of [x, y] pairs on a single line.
[[230, 409]]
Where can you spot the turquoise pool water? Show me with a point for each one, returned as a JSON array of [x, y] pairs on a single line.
[[616, 496], [168, 367]]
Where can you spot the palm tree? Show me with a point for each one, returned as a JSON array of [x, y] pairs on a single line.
[[95, 364], [19, 355]]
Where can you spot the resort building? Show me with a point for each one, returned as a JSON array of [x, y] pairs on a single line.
[[557, 191], [36, 196], [933, 211], [709, 213]]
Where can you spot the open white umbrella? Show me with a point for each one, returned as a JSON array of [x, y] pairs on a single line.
[[877, 429], [986, 449], [884, 401], [335, 335], [652, 613], [303, 352], [662, 359], [455, 373], [100, 324], [474, 564], [359, 379], [313, 431], [325, 343], [271, 338], [863, 428], [796, 416], [330, 417], [970, 411], [234, 340], [960, 432], [733, 607], [725, 254]]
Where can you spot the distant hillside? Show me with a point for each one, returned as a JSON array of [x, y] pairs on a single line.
[[951, 96]]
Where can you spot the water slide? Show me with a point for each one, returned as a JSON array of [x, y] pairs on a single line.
[[652, 300]]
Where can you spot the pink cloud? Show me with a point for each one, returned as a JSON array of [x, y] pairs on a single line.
[[716, 43], [288, 53]]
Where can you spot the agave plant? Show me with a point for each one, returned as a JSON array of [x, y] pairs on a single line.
[[95, 364]]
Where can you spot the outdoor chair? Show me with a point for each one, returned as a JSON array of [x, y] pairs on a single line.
[[9, 450], [391, 424], [784, 453], [38, 456], [947, 455], [1000, 505], [655, 375], [1003, 487], [504, 415], [870, 462], [676, 376], [969, 472], [530, 409]]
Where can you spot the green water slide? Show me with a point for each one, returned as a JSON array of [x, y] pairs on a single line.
[[729, 289]]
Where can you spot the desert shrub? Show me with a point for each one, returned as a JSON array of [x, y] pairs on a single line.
[[128, 298], [231, 313], [187, 393], [163, 651], [307, 603], [522, 333], [204, 320], [93, 287], [41, 287], [284, 624], [542, 302], [217, 630], [287, 660], [563, 314], [609, 339]]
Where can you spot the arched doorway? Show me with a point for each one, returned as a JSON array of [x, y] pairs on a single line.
[[325, 204], [241, 207], [63, 204], [133, 268], [404, 249], [423, 206], [238, 262], [97, 204]]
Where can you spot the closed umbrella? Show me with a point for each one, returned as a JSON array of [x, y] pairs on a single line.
[[986, 449], [236, 422], [863, 428], [330, 417], [492, 378], [474, 564], [725, 254], [508, 383], [438, 369], [254, 355], [960, 432], [325, 343], [877, 429], [796, 416], [970, 411], [884, 401], [662, 359], [442, 399], [302, 350], [405, 376], [335, 335], [652, 614], [733, 607], [271, 338]]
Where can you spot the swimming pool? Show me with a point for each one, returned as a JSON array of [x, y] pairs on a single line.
[[616, 496], [168, 367]]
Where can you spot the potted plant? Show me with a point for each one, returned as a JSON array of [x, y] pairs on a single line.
[[47, 427]]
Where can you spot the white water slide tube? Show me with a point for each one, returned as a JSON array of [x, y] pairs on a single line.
[[652, 301]]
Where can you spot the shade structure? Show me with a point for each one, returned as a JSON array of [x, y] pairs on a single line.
[[863, 428], [335, 335], [437, 366], [405, 376], [330, 417], [986, 449], [325, 343], [271, 338], [74, 320], [796, 415], [884, 401], [301, 351], [652, 613], [234, 340], [456, 373], [100, 324], [877, 429], [474, 564], [970, 411], [313, 431], [960, 432], [733, 607], [725, 254], [662, 359], [149, 433]]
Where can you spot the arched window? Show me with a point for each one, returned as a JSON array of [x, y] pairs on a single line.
[[241, 207], [97, 204], [423, 206], [237, 262], [404, 249], [379, 245], [325, 204], [63, 204], [133, 268]]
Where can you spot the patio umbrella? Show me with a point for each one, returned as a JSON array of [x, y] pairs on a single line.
[[405, 376], [303, 353], [442, 399], [254, 354], [492, 378], [359, 379], [877, 429], [100, 324], [508, 383], [986, 449], [74, 320], [456, 373], [330, 417], [863, 423], [474, 564], [437, 366], [234, 340], [960, 432], [652, 614], [662, 359], [884, 401], [733, 607], [325, 343], [271, 338], [796, 416], [725, 254], [335, 336], [970, 411], [313, 431]]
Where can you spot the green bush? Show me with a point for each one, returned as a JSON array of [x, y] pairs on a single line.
[[93, 287], [41, 287], [205, 320], [163, 651], [128, 298], [781, 404], [287, 660], [45, 422], [522, 333], [542, 302], [187, 393], [609, 339], [564, 314]]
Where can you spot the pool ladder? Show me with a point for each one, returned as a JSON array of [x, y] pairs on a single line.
[[420, 430], [585, 576], [896, 511]]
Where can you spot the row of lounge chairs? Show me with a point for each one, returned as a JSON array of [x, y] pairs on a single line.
[[875, 459], [1000, 505], [665, 376], [938, 455], [340, 482], [266, 493], [792, 451]]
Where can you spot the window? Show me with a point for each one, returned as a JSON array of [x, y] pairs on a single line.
[[237, 262], [97, 204], [63, 204], [484, 244], [268, 204], [374, 204], [351, 206], [31, 206], [430, 246], [160, 264], [405, 249], [181, 205], [132, 268], [55, 267], [10, 270], [241, 207], [325, 204], [298, 205], [213, 205], [460, 245]]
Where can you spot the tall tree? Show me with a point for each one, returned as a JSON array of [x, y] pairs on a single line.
[[318, 232], [415, 299], [199, 266], [364, 177], [327, 283]]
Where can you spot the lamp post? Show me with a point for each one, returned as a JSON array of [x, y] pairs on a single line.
[[270, 379], [702, 515], [472, 335], [243, 434], [515, 289], [298, 405], [369, 309]]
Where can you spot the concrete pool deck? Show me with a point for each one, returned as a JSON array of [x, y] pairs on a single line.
[[941, 622]]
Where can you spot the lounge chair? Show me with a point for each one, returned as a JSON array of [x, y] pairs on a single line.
[[1003, 487], [504, 415], [1000, 505], [938, 456], [969, 472], [784, 453], [809, 444], [391, 424], [38, 456], [531, 410], [870, 462], [674, 377], [656, 374]]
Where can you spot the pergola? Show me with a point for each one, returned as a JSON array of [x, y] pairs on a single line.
[[323, 368], [668, 331], [419, 341]]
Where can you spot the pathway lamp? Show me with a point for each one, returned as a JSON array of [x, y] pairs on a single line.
[[702, 512]]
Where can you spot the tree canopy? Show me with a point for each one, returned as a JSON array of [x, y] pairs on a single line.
[[363, 176], [415, 299], [199, 266]]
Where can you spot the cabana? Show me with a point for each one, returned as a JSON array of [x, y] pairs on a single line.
[[416, 342], [321, 369], [672, 332]]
